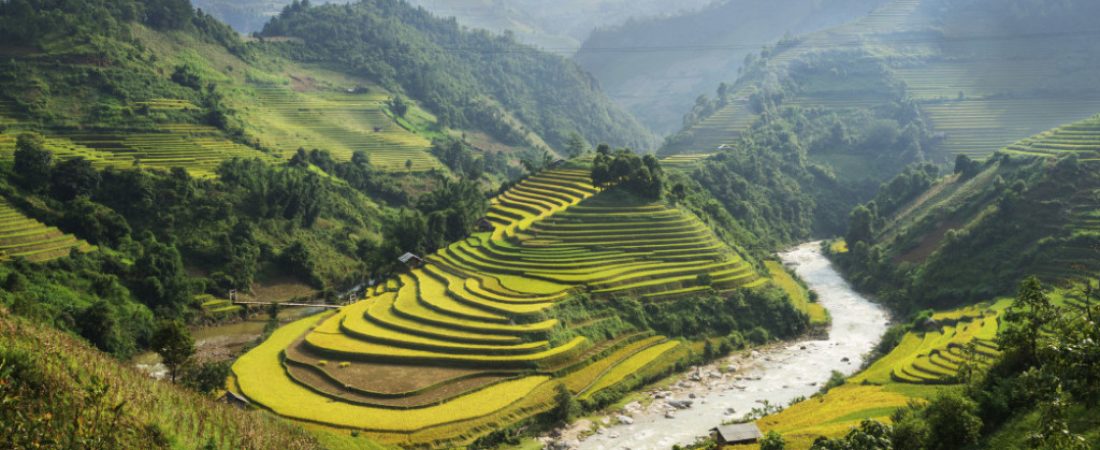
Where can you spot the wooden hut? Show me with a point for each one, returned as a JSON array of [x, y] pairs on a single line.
[[735, 434]]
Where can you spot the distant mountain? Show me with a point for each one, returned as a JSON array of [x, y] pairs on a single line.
[[656, 67], [558, 26], [981, 73]]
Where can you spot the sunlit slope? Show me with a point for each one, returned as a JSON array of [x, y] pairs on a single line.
[[1052, 203], [340, 122], [24, 237], [480, 336], [1081, 139], [197, 148]]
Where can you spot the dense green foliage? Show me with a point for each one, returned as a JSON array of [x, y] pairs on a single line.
[[639, 175], [777, 181], [1044, 377], [742, 312], [1019, 218], [460, 75]]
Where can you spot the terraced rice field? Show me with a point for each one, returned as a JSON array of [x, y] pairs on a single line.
[[979, 128], [340, 123], [472, 339], [23, 237], [684, 161], [197, 148], [916, 370], [1081, 138], [721, 128], [963, 337]]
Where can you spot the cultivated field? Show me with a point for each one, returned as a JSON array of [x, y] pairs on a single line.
[[197, 148], [481, 335], [925, 362], [24, 237], [339, 122]]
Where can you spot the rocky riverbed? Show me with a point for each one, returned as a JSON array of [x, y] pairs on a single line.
[[705, 396]]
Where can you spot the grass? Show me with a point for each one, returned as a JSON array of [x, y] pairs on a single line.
[[187, 419], [628, 367], [797, 292]]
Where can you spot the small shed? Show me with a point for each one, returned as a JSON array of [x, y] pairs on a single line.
[[232, 398], [735, 434], [411, 260]]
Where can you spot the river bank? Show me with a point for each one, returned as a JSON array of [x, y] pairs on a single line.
[[685, 409]]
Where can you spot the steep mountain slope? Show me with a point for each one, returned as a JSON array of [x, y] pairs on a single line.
[[1030, 210], [479, 336], [58, 390], [656, 67], [982, 74], [469, 79]]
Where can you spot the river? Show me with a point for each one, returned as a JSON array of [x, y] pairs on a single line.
[[777, 374]]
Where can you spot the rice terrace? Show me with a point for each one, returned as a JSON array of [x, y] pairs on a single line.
[[570, 225]]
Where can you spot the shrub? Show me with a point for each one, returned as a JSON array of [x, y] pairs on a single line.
[[953, 422], [836, 379], [759, 335], [206, 377], [773, 441]]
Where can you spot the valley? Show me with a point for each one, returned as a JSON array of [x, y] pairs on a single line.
[[382, 224]]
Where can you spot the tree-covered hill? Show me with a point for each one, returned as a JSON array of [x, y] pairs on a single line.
[[657, 66], [461, 75], [1030, 210], [983, 74]]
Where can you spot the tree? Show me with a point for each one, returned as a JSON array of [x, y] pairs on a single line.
[[173, 343], [159, 279], [861, 225], [870, 435], [967, 167], [1024, 321], [953, 422], [567, 405], [575, 145], [32, 162], [399, 106], [168, 14], [98, 224], [73, 178], [97, 324], [207, 377], [773, 441]]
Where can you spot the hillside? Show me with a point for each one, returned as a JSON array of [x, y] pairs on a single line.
[[657, 66], [958, 63], [481, 335], [58, 390], [1029, 210], [465, 77]]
